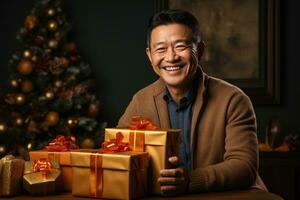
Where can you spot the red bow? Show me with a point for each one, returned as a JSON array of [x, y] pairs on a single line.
[[42, 165], [141, 123], [61, 143], [115, 145]]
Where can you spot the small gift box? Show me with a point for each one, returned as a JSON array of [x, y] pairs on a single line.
[[160, 144], [59, 150], [121, 175], [42, 177], [11, 171]]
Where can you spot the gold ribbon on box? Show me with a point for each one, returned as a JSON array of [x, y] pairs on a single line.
[[96, 175]]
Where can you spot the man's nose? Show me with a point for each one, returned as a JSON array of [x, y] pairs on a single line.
[[171, 55]]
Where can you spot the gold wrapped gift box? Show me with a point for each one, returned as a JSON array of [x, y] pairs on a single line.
[[64, 159], [39, 183], [160, 144], [121, 175], [11, 171]]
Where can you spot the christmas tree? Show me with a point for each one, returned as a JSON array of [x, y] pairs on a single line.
[[50, 89]]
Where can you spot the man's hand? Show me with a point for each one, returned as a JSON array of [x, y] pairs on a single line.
[[173, 181]]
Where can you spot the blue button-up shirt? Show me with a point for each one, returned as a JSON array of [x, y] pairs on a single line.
[[181, 117]]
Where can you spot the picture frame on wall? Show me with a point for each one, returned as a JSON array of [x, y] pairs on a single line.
[[242, 43]]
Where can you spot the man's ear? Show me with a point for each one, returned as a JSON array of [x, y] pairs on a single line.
[[200, 49], [148, 54]]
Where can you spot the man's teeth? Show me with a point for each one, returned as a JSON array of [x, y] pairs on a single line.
[[172, 68]]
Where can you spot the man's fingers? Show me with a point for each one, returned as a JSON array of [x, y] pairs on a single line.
[[171, 172], [170, 180]]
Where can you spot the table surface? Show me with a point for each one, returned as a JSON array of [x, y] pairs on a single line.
[[229, 195]]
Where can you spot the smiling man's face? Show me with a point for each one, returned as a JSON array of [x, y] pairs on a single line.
[[173, 55]]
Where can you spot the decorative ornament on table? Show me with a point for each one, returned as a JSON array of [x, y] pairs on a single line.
[[50, 12], [26, 86], [30, 22], [52, 25], [72, 122], [27, 54], [88, 143], [3, 127], [20, 99], [52, 118], [25, 67], [52, 43]]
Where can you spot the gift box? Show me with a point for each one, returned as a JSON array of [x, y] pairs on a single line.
[[64, 160], [11, 171], [160, 144], [59, 150], [121, 175], [42, 177]]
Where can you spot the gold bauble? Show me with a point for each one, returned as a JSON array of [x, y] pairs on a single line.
[[72, 122], [20, 99], [26, 53], [50, 12], [52, 43], [3, 127], [88, 143], [52, 118], [19, 121], [31, 22], [58, 83], [2, 149], [27, 86], [29, 146], [34, 58], [52, 25], [49, 95], [25, 67], [14, 83], [57, 35]]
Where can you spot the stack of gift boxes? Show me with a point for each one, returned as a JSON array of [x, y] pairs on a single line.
[[127, 166]]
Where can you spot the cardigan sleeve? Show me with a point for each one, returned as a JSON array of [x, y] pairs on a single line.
[[240, 159]]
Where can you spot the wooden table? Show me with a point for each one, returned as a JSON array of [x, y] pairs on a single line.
[[230, 195]]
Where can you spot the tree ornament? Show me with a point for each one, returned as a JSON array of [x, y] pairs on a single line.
[[49, 95], [52, 43], [58, 65], [39, 40], [27, 86], [3, 127], [88, 143], [34, 58], [30, 22], [20, 99], [51, 12], [58, 83], [52, 25], [73, 58], [14, 83], [27, 53], [10, 99], [2, 149], [29, 146], [57, 35], [93, 110], [19, 121], [70, 48], [25, 67], [52, 118], [73, 122]]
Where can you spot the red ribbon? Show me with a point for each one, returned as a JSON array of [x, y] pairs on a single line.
[[42, 165], [62, 143], [115, 145], [141, 123]]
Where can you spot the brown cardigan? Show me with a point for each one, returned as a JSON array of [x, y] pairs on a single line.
[[223, 133]]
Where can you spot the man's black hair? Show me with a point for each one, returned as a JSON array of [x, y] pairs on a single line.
[[174, 16]]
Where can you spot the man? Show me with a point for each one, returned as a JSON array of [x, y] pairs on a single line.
[[219, 148]]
